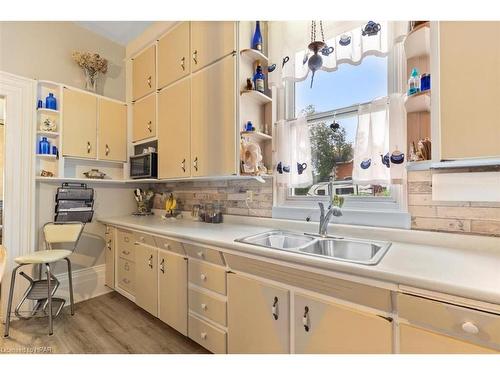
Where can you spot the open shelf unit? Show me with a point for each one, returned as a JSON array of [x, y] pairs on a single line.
[[255, 106], [418, 106]]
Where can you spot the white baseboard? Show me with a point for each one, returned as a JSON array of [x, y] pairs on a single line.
[[87, 283]]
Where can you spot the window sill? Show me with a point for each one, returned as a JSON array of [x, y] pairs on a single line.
[[392, 218]]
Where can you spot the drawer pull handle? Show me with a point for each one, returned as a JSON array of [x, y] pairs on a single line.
[[183, 63], [195, 56], [150, 261], [162, 266], [305, 319], [183, 165], [203, 277], [107, 149], [89, 147], [126, 252], [150, 129], [204, 306], [203, 335], [200, 254], [470, 328], [166, 246], [195, 163], [149, 81], [126, 266], [275, 309], [142, 238], [126, 281], [126, 239], [109, 245]]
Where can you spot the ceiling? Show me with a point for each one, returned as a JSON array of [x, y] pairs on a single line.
[[121, 32]]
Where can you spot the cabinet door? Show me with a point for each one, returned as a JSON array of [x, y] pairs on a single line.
[[109, 278], [79, 124], [173, 55], [258, 317], [210, 41], [415, 340], [323, 327], [213, 120], [144, 118], [146, 278], [112, 130], [468, 89], [174, 130], [144, 73], [173, 300]]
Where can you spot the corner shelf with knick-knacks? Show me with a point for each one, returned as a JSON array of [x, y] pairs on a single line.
[[48, 129], [255, 106], [418, 101]]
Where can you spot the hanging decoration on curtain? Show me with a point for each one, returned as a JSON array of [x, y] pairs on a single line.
[[315, 62]]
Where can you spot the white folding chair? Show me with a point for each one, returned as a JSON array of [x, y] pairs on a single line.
[[43, 290]]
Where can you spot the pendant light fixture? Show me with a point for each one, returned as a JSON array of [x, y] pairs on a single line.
[[315, 62]]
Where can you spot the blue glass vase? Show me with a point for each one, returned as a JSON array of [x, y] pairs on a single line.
[[44, 146], [51, 102]]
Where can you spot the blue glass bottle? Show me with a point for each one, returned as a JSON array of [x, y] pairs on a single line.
[[50, 102], [258, 79], [44, 146], [257, 37]]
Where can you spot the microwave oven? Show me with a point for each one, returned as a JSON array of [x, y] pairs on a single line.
[[144, 165]]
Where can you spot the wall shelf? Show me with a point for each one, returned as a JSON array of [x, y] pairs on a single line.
[[420, 102], [42, 133], [254, 55], [47, 110], [257, 96], [46, 156], [417, 42], [256, 135]]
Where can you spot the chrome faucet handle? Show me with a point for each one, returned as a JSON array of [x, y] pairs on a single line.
[[322, 211]]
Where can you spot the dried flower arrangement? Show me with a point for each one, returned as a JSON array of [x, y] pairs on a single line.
[[92, 64]]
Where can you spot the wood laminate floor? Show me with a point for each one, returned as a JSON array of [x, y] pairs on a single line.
[[106, 324]]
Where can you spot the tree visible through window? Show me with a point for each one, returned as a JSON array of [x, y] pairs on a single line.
[[332, 140]]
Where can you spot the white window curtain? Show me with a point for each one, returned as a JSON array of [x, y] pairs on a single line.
[[379, 156], [289, 40], [293, 167]]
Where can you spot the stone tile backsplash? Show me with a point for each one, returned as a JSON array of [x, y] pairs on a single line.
[[231, 194], [481, 218]]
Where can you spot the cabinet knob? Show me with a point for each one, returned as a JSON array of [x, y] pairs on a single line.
[[305, 319], [183, 165], [183, 63], [203, 277], [275, 309], [149, 82], [195, 163], [203, 335], [470, 328], [195, 56], [107, 149], [149, 126], [162, 266], [89, 147], [204, 306]]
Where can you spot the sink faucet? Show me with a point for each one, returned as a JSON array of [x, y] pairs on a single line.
[[334, 209]]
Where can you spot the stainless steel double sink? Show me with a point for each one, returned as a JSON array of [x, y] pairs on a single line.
[[351, 250]]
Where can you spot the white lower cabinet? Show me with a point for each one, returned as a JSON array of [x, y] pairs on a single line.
[[172, 290], [323, 327], [258, 316], [109, 278], [146, 278]]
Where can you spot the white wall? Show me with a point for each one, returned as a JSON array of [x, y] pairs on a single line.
[[42, 50]]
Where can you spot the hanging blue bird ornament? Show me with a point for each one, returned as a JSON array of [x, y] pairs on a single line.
[[315, 62]]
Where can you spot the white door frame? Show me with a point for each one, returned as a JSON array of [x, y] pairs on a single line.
[[19, 182]]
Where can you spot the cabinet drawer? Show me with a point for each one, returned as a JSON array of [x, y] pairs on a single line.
[[201, 253], [169, 245], [206, 335], [207, 276], [464, 323], [126, 275], [145, 239], [126, 244], [208, 306]]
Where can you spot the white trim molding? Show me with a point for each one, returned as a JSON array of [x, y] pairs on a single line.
[[19, 186]]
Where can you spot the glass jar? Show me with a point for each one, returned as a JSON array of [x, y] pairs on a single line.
[[217, 216], [209, 212]]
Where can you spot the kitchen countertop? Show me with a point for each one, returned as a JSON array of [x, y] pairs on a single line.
[[459, 265]]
